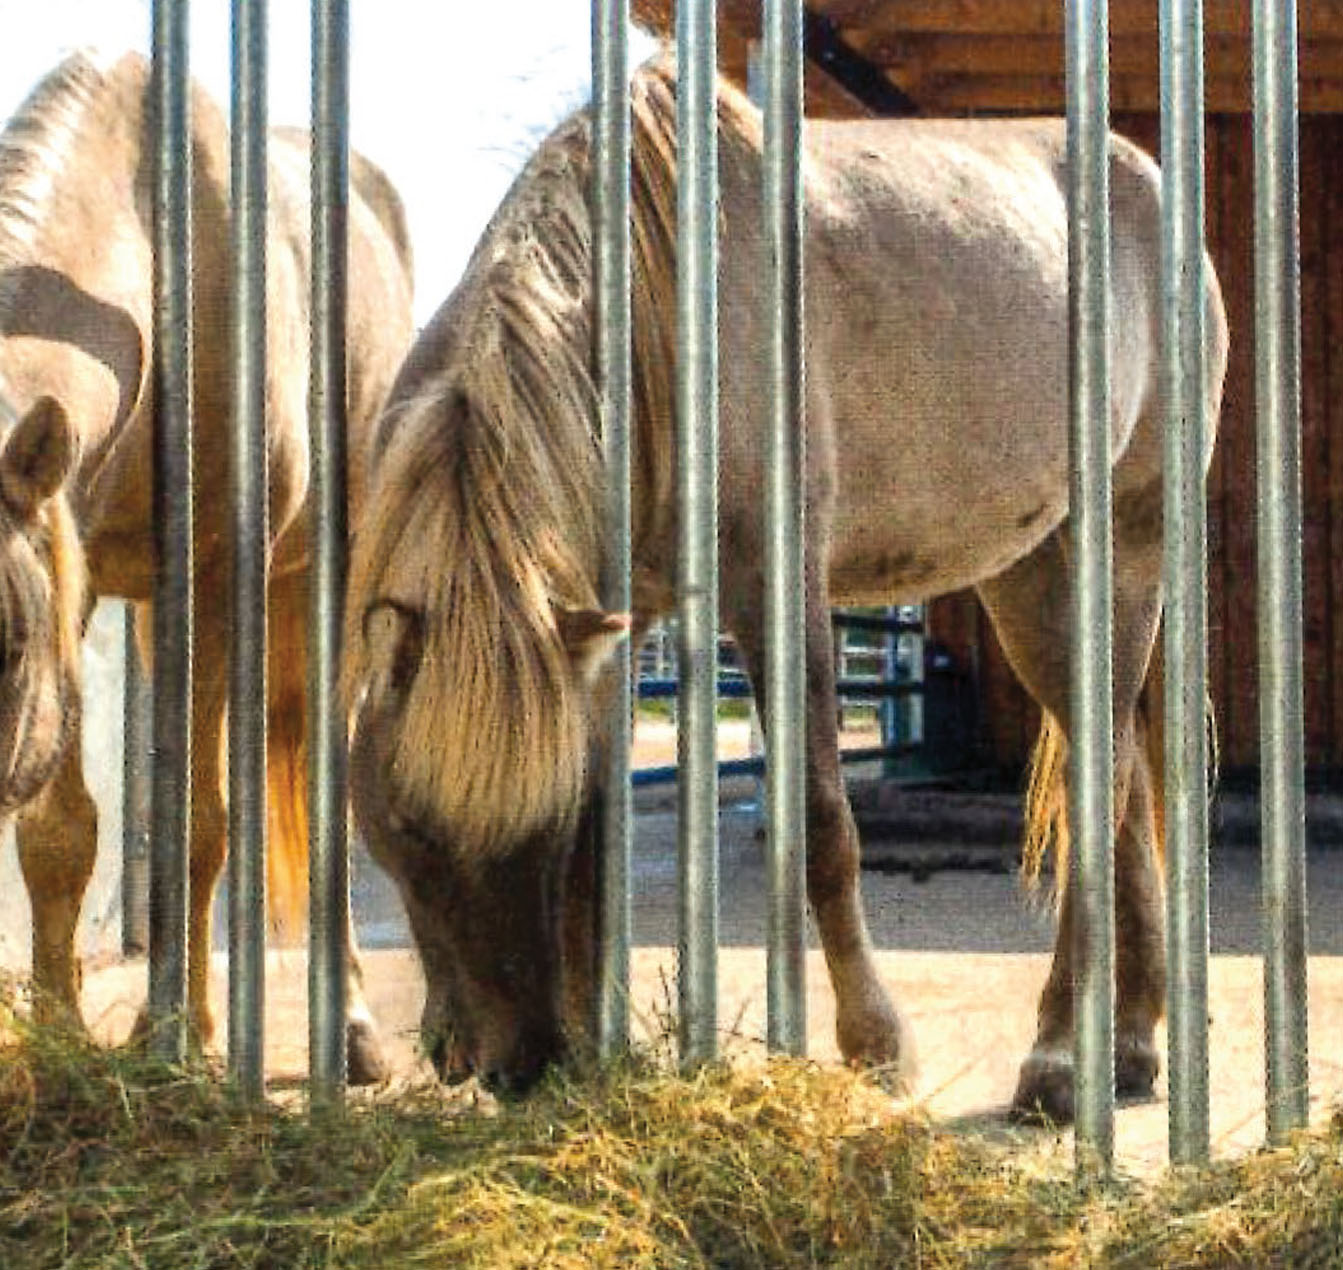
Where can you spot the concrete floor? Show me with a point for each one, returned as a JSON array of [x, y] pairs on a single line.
[[964, 952]]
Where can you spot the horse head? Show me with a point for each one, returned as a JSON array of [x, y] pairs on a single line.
[[42, 600], [484, 887]]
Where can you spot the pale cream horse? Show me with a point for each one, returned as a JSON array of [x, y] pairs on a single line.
[[76, 164], [937, 458]]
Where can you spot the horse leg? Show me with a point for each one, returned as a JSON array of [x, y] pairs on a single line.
[[579, 930], [209, 820], [1029, 606], [868, 1026], [58, 844], [287, 802]]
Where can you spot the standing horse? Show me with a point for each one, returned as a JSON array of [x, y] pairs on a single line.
[[75, 471], [937, 458]]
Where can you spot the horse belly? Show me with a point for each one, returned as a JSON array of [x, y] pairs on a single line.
[[879, 556]]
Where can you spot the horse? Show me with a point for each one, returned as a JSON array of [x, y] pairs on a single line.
[[478, 658], [76, 506]]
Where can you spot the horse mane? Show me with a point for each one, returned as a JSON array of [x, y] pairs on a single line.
[[487, 505], [34, 144]]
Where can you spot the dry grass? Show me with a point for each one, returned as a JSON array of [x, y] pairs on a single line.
[[108, 1159]]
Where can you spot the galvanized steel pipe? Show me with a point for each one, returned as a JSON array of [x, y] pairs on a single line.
[[248, 474], [1183, 386], [697, 498], [785, 603], [1277, 359], [329, 886], [170, 792], [611, 346], [1091, 771]]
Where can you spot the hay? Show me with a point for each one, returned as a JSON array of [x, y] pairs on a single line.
[[110, 1159]]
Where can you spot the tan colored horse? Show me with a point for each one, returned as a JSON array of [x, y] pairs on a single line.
[[75, 475], [937, 458]]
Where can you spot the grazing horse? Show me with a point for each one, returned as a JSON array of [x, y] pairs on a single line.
[[76, 503], [477, 658]]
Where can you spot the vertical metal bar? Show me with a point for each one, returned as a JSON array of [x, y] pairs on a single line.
[[1091, 772], [170, 791], [329, 906], [915, 646], [785, 602], [134, 795], [888, 712], [248, 471], [1183, 387], [697, 496], [1277, 359], [611, 286]]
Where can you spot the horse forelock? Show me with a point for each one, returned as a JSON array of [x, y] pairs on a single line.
[[486, 507], [36, 143], [54, 598], [477, 539]]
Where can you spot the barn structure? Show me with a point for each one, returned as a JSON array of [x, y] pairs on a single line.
[[996, 57]]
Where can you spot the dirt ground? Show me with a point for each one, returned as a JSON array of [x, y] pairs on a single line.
[[961, 949]]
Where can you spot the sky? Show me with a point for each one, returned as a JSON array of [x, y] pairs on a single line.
[[448, 96]]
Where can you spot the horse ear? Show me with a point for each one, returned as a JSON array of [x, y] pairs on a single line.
[[37, 457], [591, 636], [395, 642]]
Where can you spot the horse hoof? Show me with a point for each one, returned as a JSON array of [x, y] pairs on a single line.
[[880, 1038], [1045, 1090], [1136, 1067], [364, 1060]]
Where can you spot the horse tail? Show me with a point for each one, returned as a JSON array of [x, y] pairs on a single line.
[[1046, 818], [287, 762], [1152, 721]]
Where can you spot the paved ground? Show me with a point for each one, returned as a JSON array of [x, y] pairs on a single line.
[[963, 951]]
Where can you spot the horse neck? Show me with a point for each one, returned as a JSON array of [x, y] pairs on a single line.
[[75, 323], [74, 257]]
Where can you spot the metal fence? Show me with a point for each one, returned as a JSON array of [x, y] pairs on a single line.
[[1278, 393]]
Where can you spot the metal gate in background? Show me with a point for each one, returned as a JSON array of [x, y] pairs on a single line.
[[1277, 360]]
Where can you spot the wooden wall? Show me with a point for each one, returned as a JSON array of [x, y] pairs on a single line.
[[1008, 719]]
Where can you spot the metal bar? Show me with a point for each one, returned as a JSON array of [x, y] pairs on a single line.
[[611, 286], [248, 473], [329, 885], [1183, 383], [889, 710], [865, 622], [134, 795], [785, 475], [1277, 358], [1091, 771], [697, 497], [865, 689], [170, 789], [756, 765]]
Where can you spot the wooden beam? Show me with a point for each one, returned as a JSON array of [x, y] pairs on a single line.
[[912, 58], [1318, 18], [825, 98], [1044, 94]]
